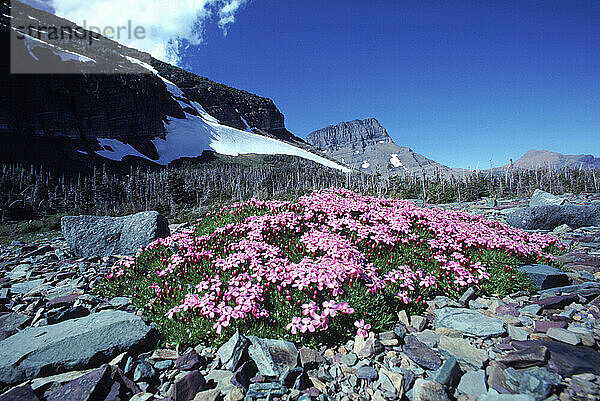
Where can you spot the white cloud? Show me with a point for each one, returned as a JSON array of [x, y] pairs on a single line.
[[170, 25]]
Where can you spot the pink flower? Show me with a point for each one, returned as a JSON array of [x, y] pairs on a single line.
[[362, 328]]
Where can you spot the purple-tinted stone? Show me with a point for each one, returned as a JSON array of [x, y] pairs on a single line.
[[312, 392], [258, 379], [129, 386], [94, 385], [542, 326], [188, 361], [557, 301], [187, 387], [525, 358], [504, 347], [420, 353], [589, 260], [72, 312], [62, 301], [22, 393], [567, 360], [114, 394], [509, 309]]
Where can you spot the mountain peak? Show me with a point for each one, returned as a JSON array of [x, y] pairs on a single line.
[[366, 146], [367, 131], [534, 158]]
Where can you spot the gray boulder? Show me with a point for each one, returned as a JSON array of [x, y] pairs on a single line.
[[537, 382], [469, 322], [473, 383], [543, 198], [104, 236], [272, 357], [587, 290], [550, 217], [544, 277], [231, 352], [72, 344]]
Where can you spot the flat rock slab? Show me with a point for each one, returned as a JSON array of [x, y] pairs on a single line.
[[104, 236], [26, 286], [566, 360], [468, 356], [587, 290], [544, 277], [525, 358], [550, 217], [473, 383], [469, 322], [72, 344]]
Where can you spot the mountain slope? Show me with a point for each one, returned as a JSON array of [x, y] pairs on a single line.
[[130, 113], [232, 107], [543, 159], [366, 146]]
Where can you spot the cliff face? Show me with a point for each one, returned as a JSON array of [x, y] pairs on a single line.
[[56, 119], [232, 107], [78, 105], [355, 134], [366, 146]]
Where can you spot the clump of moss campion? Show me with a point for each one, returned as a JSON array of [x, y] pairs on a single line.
[[320, 269]]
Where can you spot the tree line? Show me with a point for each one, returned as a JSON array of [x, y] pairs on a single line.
[[30, 192]]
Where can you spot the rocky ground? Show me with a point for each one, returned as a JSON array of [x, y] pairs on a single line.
[[59, 341]]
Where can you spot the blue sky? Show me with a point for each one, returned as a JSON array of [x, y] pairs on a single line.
[[462, 82]]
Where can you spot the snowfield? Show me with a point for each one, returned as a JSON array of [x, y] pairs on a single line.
[[190, 136]]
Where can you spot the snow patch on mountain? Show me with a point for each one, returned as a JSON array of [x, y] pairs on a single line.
[[190, 136]]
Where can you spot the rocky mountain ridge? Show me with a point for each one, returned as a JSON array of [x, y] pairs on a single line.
[[366, 146], [534, 159], [57, 120]]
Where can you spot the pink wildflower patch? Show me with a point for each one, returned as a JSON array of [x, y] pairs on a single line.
[[298, 264]]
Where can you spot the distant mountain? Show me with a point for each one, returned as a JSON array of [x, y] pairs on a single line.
[[115, 105], [366, 146], [542, 158]]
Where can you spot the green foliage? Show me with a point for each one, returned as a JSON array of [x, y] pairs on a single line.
[[380, 309]]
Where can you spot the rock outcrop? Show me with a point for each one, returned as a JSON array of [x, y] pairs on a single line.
[[232, 107], [366, 146]]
